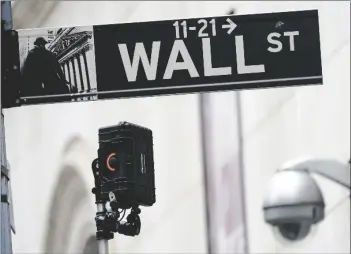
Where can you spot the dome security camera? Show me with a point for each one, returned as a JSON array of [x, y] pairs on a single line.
[[294, 202]]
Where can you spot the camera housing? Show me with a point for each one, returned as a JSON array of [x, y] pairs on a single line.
[[126, 165], [293, 204]]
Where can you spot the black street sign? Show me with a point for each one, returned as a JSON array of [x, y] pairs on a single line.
[[171, 57]]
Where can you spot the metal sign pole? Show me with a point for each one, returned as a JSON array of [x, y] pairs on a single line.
[[101, 209], [6, 204], [102, 243], [6, 243]]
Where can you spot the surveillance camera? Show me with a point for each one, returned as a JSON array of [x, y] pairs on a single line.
[[294, 231], [293, 204]]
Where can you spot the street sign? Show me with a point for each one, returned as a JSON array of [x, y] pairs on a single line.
[[170, 57]]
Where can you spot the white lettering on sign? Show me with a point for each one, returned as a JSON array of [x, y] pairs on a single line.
[[207, 56], [150, 67], [179, 48], [278, 43], [240, 58], [291, 39], [187, 64], [275, 42]]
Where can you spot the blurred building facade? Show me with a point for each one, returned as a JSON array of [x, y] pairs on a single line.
[[50, 147]]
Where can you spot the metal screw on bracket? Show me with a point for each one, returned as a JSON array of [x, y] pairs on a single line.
[[112, 197]]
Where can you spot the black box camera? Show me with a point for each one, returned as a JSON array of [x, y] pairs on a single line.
[[126, 165]]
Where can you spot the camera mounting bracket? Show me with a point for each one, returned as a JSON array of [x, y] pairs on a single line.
[[109, 222], [331, 169]]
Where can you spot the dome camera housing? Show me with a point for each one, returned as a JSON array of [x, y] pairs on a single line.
[[293, 204]]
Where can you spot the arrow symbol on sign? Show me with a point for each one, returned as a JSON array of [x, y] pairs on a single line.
[[231, 25]]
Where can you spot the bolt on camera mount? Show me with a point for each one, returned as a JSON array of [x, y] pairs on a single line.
[[124, 178], [109, 221]]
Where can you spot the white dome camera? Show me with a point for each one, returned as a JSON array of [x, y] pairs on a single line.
[[294, 201]]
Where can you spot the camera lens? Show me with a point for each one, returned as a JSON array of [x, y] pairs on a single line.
[[294, 231], [112, 162], [291, 230]]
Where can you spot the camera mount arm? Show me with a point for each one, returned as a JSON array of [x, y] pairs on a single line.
[[107, 221], [133, 224], [331, 169]]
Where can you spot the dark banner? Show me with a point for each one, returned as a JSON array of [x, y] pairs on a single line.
[[169, 57]]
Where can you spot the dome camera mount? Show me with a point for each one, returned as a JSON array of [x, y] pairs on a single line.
[[294, 201], [333, 170]]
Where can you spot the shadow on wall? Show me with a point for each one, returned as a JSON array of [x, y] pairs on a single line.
[[69, 193], [64, 215], [91, 246]]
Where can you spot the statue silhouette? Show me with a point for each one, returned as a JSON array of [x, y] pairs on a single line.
[[42, 73]]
